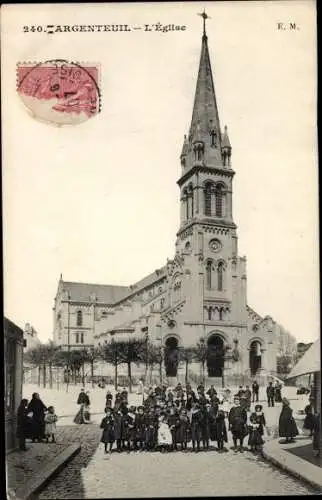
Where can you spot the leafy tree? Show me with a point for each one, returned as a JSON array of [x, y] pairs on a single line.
[[284, 364]]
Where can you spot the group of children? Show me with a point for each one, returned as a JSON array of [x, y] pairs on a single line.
[[169, 420]]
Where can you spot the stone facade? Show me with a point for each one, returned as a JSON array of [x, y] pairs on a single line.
[[13, 349], [199, 296]]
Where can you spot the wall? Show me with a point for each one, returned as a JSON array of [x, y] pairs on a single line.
[[13, 348]]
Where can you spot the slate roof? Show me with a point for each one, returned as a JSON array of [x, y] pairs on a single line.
[[104, 293]]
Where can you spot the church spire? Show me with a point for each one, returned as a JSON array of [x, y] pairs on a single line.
[[205, 125]]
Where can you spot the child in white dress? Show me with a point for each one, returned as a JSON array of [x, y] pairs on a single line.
[[164, 434], [50, 424]]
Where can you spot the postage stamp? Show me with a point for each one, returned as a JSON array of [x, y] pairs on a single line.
[[60, 92]]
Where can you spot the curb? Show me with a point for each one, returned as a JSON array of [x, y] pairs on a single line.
[[28, 491], [278, 462]]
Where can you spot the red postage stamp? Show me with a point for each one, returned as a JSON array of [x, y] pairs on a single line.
[[60, 92]]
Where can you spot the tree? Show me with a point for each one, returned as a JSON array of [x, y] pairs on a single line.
[[111, 354], [284, 364], [35, 356], [187, 354], [43, 355], [131, 351], [200, 355], [154, 358]]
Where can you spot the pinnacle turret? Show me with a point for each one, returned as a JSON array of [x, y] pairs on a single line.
[[205, 139]]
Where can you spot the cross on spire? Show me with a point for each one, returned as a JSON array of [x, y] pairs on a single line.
[[205, 16]]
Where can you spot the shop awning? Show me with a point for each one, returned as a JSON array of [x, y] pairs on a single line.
[[309, 363]]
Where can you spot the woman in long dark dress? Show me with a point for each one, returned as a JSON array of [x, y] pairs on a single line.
[[37, 407], [22, 424], [287, 427]]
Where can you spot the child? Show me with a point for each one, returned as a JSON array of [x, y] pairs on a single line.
[[173, 423], [196, 426], [182, 430], [221, 431], [139, 425], [164, 435], [256, 429], [50, 424], [107, 425]]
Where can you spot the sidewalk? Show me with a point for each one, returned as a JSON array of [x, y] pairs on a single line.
[[291, 458], [27, 471]]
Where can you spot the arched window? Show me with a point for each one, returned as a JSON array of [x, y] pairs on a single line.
[[207, 194], [79, 320], [209, 312], [221, 313], [219, 200], [82, 338], [209, 275], [220, 276], [77, 338]]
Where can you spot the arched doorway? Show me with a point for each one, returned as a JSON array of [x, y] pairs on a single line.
[[215, 356], [171, 357], [255, 357]]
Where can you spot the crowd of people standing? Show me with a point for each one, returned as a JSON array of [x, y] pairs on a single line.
[[170, 419]]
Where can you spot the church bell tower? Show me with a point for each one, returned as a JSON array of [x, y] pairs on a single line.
[[207, 238]]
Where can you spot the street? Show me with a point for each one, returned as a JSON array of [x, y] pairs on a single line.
[[92, 474]]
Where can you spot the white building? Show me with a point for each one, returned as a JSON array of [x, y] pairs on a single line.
[[201, 294]]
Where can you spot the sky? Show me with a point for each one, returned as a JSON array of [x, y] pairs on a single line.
[[98, 201]]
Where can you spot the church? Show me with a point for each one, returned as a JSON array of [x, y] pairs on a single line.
[[199, 297]]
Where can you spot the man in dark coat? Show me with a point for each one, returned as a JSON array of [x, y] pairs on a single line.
[[37, 407], [270, 391], [237, 424], [83, 398], [255, 390]]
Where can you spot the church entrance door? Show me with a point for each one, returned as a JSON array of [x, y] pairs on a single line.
[[171, 357], [255, 358], [215, 356]]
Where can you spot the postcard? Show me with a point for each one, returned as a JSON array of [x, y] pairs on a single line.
[[161, 258]]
